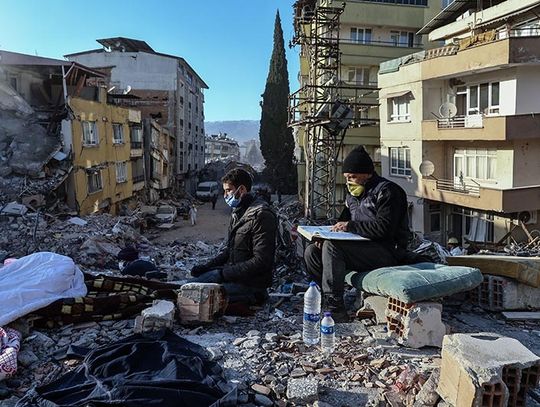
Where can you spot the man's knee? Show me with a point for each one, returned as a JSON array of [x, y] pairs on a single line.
[[311, 253]]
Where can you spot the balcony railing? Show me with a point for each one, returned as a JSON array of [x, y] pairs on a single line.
[[458, 186], [136, 144], [460, 122], [138, 178], [381, 43]]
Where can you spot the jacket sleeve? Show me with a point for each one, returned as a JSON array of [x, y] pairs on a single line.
[[345, 215], [390, 210], [219, 260], [264, 247]]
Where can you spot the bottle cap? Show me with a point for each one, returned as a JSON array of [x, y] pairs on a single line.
[[313, 284], [327, 314]]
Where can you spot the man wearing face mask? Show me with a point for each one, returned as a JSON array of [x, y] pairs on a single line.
[[375, 208], [246, 264]]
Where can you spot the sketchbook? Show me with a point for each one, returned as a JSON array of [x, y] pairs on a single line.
[[324, 232]]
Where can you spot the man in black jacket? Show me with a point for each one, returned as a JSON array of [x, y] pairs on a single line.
[[246, 264], [375, 208]]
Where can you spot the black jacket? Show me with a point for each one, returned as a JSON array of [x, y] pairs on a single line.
[[249, 255], [379, 214]]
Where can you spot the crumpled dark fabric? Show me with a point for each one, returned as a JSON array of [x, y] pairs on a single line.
[[161, 369]]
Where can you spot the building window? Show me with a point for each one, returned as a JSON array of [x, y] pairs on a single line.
[[14, 83], [135, 136], [403, 39], [90, 133], [399, 109], [93, 179], [475, 163], [121, 172], [118, 133], [358, 76], [434, 217], [483, 98], [361, 35], [400, 161]]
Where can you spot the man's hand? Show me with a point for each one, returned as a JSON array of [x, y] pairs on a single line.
[[340, 227], [318, 243], [199, 269]]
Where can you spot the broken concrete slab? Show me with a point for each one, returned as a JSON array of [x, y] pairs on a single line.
[[415, 325], [13, 209], [486, 369], [428, 396], [523, 269], [522, 316]]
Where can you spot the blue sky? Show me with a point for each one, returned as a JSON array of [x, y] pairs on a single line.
[[228, 42]]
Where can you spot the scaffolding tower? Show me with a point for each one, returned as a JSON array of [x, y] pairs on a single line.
[[324, 107]]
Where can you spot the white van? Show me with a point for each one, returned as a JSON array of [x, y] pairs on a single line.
[[207, 190]]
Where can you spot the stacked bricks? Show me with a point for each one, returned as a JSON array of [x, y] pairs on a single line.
[[486, 370], [415, 325], [497, 293]]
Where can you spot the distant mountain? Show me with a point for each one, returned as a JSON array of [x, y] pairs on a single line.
[[240, 130]]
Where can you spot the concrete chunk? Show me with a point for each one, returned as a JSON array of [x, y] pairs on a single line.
[[302, 390], [378, 304], [159, 315], [415, 325], [486, 369]]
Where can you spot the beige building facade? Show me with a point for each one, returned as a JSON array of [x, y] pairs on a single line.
[[459, 124]]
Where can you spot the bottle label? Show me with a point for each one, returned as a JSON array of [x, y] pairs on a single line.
[[327, 330], [311, 317]]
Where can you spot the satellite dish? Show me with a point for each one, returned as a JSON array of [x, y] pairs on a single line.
[[427, 168], [448, 110], [127, 90]]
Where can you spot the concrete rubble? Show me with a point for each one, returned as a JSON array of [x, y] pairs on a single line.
[[486, 369], [262, 354]]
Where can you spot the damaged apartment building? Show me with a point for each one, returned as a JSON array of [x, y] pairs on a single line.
[[459, 124], [168, 92], [60, 141]]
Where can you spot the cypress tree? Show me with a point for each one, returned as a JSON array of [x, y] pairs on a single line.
[[277, 143]]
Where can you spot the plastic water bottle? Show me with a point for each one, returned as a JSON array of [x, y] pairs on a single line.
[[328, 334], [312, 314]]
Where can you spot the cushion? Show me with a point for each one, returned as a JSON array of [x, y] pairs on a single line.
[[416, 282]]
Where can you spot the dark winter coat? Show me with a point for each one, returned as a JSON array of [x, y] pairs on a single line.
[[249, 256], [379, 214]]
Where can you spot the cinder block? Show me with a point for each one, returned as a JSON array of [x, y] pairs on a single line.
[[201, 302], [497, 293], [486, 370], [159, 315], [415, 325]]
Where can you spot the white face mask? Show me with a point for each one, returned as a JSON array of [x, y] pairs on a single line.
[[121, 264]]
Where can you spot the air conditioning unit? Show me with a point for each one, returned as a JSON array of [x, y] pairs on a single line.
[[528, 217]]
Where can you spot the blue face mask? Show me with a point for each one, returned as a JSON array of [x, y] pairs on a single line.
[[231, 200]]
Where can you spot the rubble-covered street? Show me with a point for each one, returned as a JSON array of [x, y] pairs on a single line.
[[263, 355]]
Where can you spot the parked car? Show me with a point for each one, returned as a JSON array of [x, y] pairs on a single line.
[[207, 190], [166, 214]]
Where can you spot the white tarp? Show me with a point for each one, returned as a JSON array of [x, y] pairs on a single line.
[[35, 281]]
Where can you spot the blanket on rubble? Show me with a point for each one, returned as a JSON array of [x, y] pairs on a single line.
[[158, 370], [35, 281], [108, 298]]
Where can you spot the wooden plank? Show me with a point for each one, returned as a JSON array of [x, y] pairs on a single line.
[[522, 316]]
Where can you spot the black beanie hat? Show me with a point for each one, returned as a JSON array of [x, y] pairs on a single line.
[[128, 254], [358, 162]]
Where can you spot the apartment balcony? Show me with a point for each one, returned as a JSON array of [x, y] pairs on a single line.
[[481, 127], [373, 52], [473, 195], [484, 54], [383, 14]]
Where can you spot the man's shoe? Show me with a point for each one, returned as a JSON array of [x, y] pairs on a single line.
[[336, 306]]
